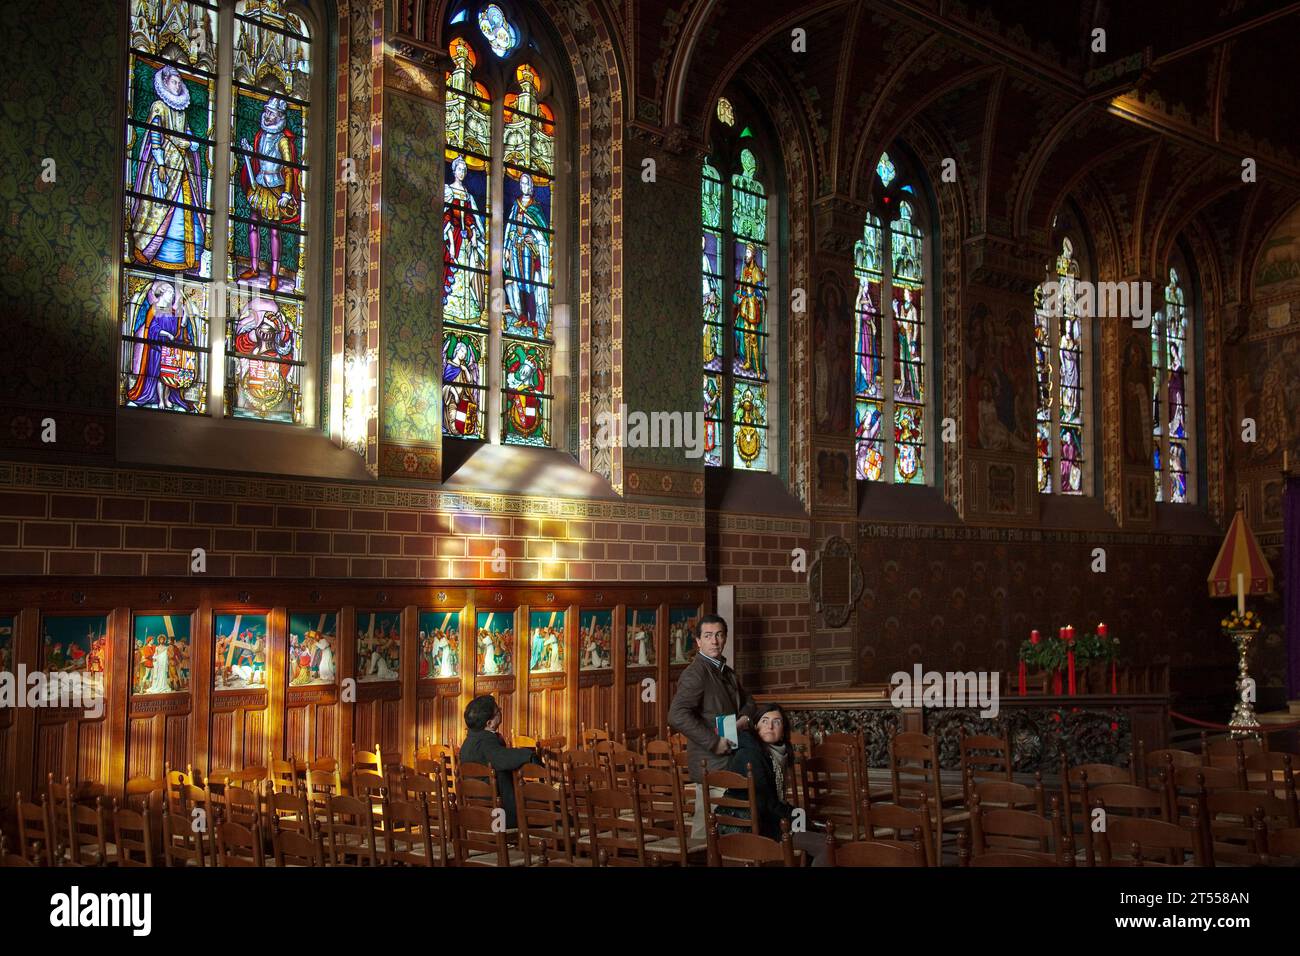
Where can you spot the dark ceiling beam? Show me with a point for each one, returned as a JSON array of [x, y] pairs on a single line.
[[1226, 34]]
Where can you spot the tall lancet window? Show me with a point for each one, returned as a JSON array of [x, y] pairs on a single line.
[[1060, 335], [1171, 373], [891, 340], [735, 297], [210, 217], [498, 207]]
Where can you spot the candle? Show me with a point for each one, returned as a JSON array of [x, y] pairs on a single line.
[[1241, 594], [1101, 631], [1033, 637]]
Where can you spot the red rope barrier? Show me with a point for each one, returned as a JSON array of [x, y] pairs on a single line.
[[1263, 728]]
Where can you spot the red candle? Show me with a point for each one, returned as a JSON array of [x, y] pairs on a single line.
[[1070, 659], [1022, 678], [1114, 683], [1101, 631], [1033, 637]]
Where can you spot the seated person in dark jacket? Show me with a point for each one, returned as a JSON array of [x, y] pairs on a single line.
[[484, 745], [765, 751]]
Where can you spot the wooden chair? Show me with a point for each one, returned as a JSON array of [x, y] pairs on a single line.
[[614, 828], [984, 758], [832, 795], [623, 766], [743, 811], [1009, 794], [588, 736], [36, 839], [1116, 799], [1283, 847], [243, 807], [350, 832], [1023, 832], [1270, 772], [801, 744], [658, 754], [545, 830], [523, 740], [291, 812], [748, 849], [1139, 841], [59, 796], [282, 775], [1185, 786], [857, 744], [249, 778], [186, 839], [145, 794], [318, 786], [1156, 760], [1002, 858], [579, 775], [133, 836], [292, 848], [479, 840], [418, 788], [10, 859], [1228, 751], [902, 826], [1236, 823], [872, 853], [1073, 778], [88, 843], [408, 840], [914, 773], [663, 821], [239, 846], [368, 761], [682, 765]]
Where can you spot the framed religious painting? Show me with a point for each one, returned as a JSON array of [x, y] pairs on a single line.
[[313, 649], [239, 651], [546, 630], [595, 640], [641, 637], [379, 646], [77, 648], [495, 643], [439, 644], [683, 629], [161, 649]]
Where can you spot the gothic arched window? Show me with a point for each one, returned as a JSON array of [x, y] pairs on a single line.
[[736, 291], [1061, 340], [499, 206], [1171, 388], [212, 217], [891, 368]]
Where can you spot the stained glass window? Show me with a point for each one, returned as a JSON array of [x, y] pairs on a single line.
[[466, 233], [1170, 372], [1061, 433], [890, 417], [734, 302], [178, 259], [515, 303]]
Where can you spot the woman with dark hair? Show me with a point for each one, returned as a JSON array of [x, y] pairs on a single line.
[[766, 749]]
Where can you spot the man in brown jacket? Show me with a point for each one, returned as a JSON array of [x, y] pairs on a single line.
[[708, 688]]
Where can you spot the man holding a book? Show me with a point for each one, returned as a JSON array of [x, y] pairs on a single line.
[[709, 708]]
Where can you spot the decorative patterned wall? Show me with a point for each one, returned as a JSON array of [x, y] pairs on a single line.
[[58, 268]]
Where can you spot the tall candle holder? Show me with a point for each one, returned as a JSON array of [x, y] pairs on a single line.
[[1242, 628]]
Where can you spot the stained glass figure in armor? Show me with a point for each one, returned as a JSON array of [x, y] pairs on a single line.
[[750, 299], [270, 184], [167, 232], [527, 245]]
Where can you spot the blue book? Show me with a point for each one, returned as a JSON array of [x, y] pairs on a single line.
[[725, 724]]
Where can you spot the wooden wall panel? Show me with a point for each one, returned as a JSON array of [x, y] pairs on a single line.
[[234, 727]]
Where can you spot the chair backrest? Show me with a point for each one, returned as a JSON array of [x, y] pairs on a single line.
[[914, 769], [588, 736], [87, 834], [238, 845], [1004, 793], [1156, 760], [189, 839], [35, 831], [292, 848], [523, 740], [283, 775], [476, 786], [662, 817], [243, 807], [291, 811], [325, 764], [874, 853], [998, 829], [902, 825], [749, 849], [543, 812], [408, 840], [350, 832], [369, 761], [831, 794], [659, 755], [1271, 772], [984, 757], [478, 841], [1283, 847], [723, 805], [319, 786], [623, 765], [614, 825], [133, 835], [1135, 841]]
